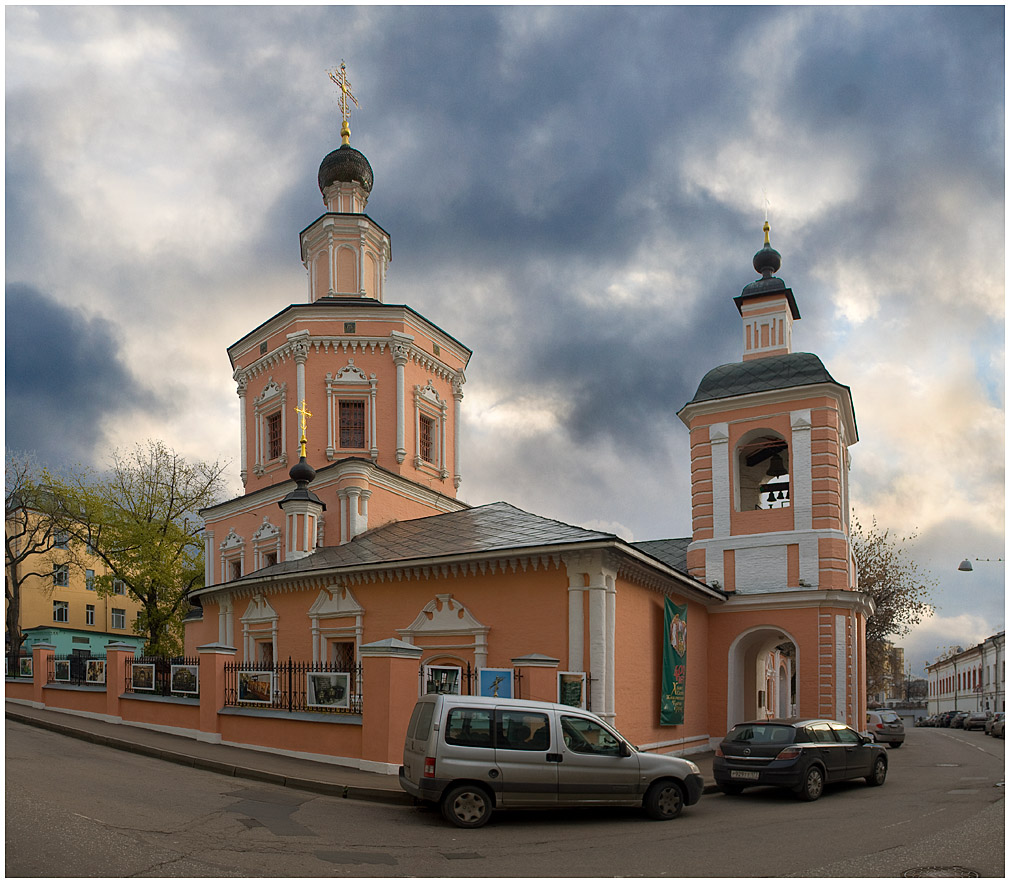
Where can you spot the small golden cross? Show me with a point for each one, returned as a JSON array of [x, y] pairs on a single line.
[[339, 76], [303, 415]]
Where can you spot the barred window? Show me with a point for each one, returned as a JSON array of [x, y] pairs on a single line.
[[274, 435], [352, 423], [427, 440], [61, 611], [118, 618]]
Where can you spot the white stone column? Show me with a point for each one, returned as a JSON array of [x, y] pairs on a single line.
[[363, 520], [374, 450], [243, 386], [801, 472], [353, 527], [722, 484], [208, 557], [457, 425], [597, 593], [400, 360], [611, 693]]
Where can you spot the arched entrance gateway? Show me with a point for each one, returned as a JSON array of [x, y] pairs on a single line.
[[763, 666]]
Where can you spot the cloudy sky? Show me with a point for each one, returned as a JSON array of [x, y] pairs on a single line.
[[573, 192]]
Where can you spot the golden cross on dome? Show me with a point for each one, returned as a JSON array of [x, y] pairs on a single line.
[[344, 102], [303, 414]]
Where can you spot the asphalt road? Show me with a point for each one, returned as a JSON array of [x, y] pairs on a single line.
[[75, 809]]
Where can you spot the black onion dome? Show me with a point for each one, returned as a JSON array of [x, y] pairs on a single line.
[[302, 472], [347, 165], [767, 261]]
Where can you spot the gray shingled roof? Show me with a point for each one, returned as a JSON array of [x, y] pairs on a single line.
[[673, 553], [759, 375], [492, 528]]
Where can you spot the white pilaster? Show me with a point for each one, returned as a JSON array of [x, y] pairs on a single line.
[[722, 485], [800, 471]]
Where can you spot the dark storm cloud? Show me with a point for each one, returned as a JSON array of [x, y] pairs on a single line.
[[64, 379]]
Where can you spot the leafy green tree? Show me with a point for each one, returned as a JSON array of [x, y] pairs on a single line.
[[899, 589], [36, 525], [142, 521]]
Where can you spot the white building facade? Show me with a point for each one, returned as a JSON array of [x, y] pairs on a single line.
[[972, 680]]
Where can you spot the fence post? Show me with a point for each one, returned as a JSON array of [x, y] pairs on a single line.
[[117, 657], [389, 672], [42, 655], [541, 675], [213, 658]]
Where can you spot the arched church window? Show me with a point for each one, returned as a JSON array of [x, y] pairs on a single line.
[[763, 471]]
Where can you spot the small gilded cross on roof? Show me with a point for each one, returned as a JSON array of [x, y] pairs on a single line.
[[303, 414], [346, 99]]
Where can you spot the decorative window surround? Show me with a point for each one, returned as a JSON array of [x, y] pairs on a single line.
[[441, 617], [259, 623], [273, 398], [266, 541], [427, 403], [232, 551], [350, 383], [333, 603]]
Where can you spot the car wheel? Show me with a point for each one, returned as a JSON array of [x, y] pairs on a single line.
[[731, 790], [664, 800], [813, 784], [879, 773], [895, 744], [466, 806]]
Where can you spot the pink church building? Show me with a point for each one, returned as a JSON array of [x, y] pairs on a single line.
[[350, 542]]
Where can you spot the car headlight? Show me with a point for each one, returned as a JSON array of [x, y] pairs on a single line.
[[694, 768]]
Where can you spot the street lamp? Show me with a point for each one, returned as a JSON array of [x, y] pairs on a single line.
[[966, 564]]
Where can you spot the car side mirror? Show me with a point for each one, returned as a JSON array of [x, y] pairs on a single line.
[[625, 749]]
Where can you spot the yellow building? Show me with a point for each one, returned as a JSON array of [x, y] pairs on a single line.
[[61, 606]]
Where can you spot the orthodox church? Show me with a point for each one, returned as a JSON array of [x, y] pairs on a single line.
[[350, 531]]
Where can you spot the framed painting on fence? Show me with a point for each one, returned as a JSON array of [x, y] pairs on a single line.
[[95, 672], [256, 686], [328, 689], [61, 671], [572, 688], [185, 679], [142, 675], [442, 679], [25, 667], [495, 682]]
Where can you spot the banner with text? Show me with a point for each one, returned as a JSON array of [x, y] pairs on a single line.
[[671, 705]]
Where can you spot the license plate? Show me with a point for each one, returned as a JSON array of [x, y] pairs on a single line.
[[753, 775]]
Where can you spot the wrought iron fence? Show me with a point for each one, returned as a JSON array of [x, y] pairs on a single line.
[[324, 688], [164, 676], [449, 678], [77, 670]]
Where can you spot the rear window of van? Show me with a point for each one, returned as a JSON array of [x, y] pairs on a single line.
[[425, 712], [470, 727]]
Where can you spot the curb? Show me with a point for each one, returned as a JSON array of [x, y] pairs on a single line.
[[332, 789]]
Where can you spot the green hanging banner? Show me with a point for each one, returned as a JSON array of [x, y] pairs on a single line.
[[671, 703]]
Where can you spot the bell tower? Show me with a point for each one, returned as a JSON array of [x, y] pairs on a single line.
[[769, 505]]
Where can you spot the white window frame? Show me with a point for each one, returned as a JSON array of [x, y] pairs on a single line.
[[61, 607], [118, 587], [266, 541], [61, 575], [350, 383], [232, 550], [274, 398], [428, 403], [117, 613], [89, 580], [89, 614]]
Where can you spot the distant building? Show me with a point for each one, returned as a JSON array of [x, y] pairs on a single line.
[[890, 688], [970, 680], [61, 606]]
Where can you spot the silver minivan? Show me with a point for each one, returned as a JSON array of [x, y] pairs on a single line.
[[471, 755]]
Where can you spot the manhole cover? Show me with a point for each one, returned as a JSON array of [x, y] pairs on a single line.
[[955, 871]]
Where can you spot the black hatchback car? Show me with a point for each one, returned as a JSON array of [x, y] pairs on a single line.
[[801, 755]]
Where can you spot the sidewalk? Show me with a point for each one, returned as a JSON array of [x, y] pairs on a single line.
[[245, 763]]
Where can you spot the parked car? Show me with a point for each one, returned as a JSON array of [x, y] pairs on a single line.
[[997, 729], [993, 717], [471, 755], [802, 756], [957, 721], [976, 720], [885, 726], [945, 718]]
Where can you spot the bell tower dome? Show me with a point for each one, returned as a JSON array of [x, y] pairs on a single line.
[[344, 251]]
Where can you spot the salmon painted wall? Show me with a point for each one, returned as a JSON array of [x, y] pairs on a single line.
[[312, 737], [640, 637], [161, 714]]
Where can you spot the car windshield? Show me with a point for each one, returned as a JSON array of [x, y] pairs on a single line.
[[760, 733]]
